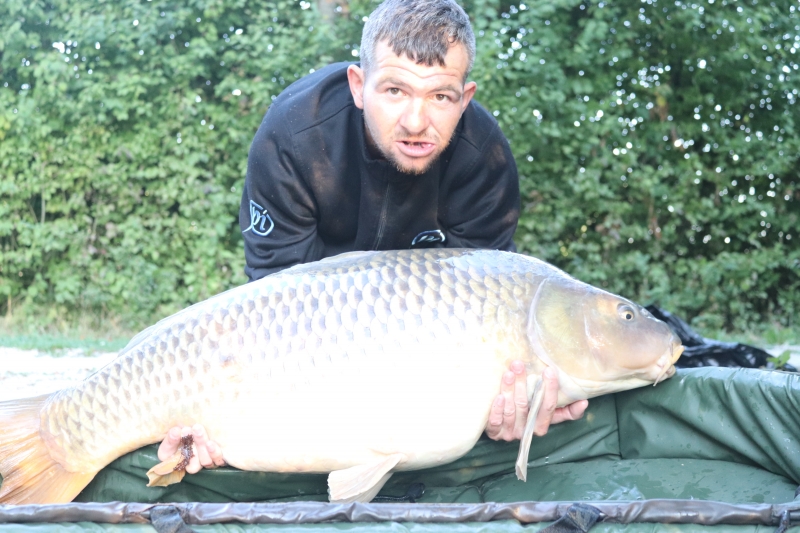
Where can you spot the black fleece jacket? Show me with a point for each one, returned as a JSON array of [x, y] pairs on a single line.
[[312, 189]]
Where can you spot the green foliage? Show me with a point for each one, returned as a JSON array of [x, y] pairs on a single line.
[[657, 144], [780, 361], [125, 132], [658, 147]]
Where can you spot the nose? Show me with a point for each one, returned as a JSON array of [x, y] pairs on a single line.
[[415, 118]]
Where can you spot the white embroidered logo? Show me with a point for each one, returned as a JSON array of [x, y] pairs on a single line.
[[258, 220], [429, 236]]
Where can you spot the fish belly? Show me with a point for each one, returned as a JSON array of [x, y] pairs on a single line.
[[430, 406]]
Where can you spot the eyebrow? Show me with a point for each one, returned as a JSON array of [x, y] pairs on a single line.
[[447, 87], [442, 88], [392, 81]]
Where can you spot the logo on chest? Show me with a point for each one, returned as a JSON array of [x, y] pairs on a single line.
[[428, 237], [260, 221]]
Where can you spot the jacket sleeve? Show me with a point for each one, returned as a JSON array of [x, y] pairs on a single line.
[[278, 214], [482, 200]]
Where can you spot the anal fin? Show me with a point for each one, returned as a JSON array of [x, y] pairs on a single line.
[[527, 435], [361, 483]]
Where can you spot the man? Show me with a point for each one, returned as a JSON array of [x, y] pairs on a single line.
[[388, 154]]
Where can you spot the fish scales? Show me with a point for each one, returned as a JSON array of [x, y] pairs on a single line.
[[303, 318], [359, 365]]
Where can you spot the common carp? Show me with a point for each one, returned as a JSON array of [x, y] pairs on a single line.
[[333, 366]]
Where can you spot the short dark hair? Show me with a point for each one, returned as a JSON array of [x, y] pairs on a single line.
[[423, 30]]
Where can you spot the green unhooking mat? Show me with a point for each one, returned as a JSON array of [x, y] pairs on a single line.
[[709, 446]]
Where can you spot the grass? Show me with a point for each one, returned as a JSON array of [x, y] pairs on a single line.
[[31, 331], [54, 343]]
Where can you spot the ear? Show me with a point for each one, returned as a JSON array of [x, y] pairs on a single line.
[[469, 92], [356, 78]]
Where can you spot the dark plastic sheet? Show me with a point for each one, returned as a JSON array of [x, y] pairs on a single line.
[[661, 511], [701, 351]]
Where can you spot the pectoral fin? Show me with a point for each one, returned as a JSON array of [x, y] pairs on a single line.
[[362, 482], [527, 436]]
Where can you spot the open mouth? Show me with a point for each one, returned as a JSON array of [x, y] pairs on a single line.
[[416, 148]]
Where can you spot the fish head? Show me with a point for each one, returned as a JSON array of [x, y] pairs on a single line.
[[597, 337]]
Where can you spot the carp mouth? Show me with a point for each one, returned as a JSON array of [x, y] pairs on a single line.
[[666, 363]]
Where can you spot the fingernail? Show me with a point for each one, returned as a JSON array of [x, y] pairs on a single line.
[[508, 378]]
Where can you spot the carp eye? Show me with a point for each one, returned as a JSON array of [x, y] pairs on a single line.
[[626, 312]]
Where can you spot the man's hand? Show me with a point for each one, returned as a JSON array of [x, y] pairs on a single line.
[[206, 452], [510, 408]]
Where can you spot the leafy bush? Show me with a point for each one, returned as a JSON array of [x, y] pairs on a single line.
[[657, 144], [658, 147], [126, 127]]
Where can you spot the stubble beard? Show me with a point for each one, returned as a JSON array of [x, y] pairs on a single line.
[[387, 153]]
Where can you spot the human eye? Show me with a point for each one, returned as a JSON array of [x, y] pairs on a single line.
[[441, 97], [394, 91]]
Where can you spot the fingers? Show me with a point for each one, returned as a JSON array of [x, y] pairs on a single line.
[[200, 449], [209, 454], [494, 429], [509, 411], [170, 444], [573, 411], [205, 452], [194, 465], [520, 399], [501, 416], [549, 402], [510, 408], [215, 452]]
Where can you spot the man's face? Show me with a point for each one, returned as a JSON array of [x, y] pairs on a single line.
[[411, 110]]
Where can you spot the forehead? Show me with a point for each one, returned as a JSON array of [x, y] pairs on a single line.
[[388, 64]]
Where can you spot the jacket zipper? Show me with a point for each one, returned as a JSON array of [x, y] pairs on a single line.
[[382, 222]]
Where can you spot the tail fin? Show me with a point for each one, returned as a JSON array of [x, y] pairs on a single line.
[[30, 474]]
